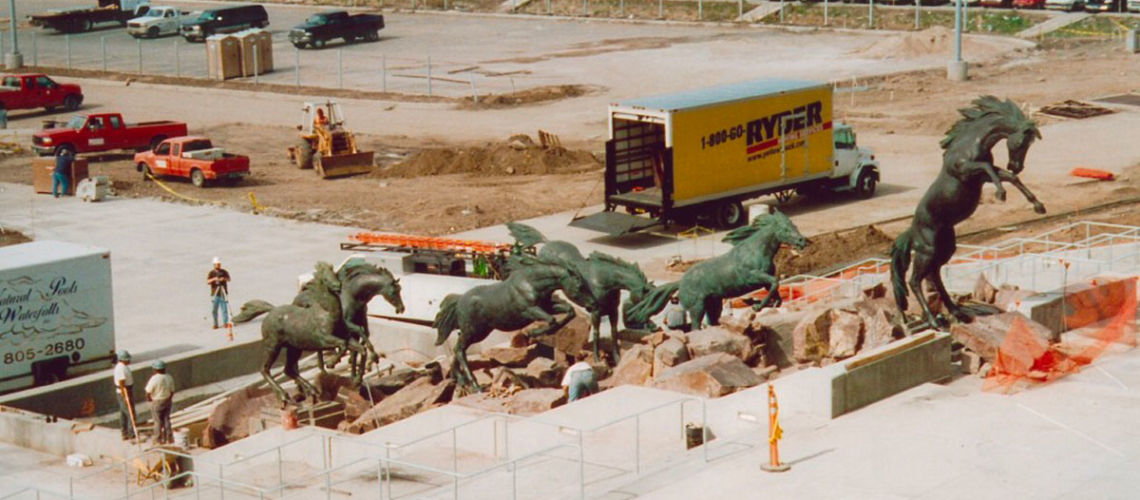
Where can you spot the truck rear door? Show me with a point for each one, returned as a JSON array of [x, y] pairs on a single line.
[[31, 96], [115, 133], [48, 93]]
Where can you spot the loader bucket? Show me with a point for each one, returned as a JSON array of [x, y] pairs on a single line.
[[345, 164]]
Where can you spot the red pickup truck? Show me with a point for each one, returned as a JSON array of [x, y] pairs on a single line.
[[104, 132], [195, 158], [38, 91]]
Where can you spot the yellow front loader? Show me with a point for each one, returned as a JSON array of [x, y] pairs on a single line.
[[326, 145]]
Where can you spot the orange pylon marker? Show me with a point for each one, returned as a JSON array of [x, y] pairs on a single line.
[[230, 332], [775, 433]]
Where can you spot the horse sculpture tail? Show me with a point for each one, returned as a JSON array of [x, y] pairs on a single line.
[[652, 303], [252, 309], [900, 262], [446, 320]]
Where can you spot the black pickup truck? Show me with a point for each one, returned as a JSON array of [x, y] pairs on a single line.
[[322, 27]]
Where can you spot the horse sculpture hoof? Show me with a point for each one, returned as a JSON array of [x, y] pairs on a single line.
[[1039, 208], [1000, 195]]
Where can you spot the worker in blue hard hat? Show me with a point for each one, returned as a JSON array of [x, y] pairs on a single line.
[[160, 393], [124, 382]]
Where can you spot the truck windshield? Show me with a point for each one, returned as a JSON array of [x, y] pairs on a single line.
[[154, 13], [197, 145], [316, 19], [76, 122]]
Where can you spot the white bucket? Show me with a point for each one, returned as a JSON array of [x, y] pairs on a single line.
[[182, 438]]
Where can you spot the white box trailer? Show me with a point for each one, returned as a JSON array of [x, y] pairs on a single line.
[[56, 314]]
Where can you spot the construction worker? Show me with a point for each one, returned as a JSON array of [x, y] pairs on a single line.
[[580, 380], [321, 120], [676, 318], [123, 384], [160, 393], [61, 175], [218, 280]]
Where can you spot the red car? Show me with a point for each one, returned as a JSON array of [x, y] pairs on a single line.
[[104, 132], [194, 158], [38, 91]]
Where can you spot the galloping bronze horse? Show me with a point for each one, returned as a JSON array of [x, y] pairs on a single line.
[[967, 164]]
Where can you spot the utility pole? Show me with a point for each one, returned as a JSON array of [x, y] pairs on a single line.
[[956, 69], [13, 60]]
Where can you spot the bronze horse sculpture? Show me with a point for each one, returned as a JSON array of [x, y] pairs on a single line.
[[606, 276], [323, 316], [514, 303], [750, 265], [967, 164]]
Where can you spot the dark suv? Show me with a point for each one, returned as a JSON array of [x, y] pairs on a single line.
[[225, 20]]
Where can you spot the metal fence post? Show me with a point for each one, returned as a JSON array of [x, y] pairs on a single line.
[[637, 444], [454, 464], [474, 91], [585, 7], [700, 10], [177, 59], [67, 40], [35, 50], [296, 66], [825, 9], [661, 9], [383, 72], [581, 467], [256, 64], [549, 8], [103, 51], [917, 8], [138, 43], [340, 68], [621, 8], [429, 76], [871, 16], [781, 11], [740, 8]]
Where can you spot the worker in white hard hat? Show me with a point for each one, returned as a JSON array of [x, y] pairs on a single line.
[[123, 384], [160, 393], [218, 279]]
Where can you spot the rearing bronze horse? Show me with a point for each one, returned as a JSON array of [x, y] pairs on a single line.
[[967, 164]]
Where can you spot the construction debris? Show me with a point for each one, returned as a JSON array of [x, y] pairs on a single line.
[[1075, 109]]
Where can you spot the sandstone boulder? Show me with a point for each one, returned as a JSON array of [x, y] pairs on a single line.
[[670, 353], [985, 334], [713, 375], [544, 372], [635, 368], [714, 339], [420, 395], [845, 333], [810, 337], [983, 290], [508, 355], [535, 401]]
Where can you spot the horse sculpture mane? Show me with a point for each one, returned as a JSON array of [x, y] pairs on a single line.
[[985, 107], [357, 266], [324, 280], [740, 234], [617, 262]]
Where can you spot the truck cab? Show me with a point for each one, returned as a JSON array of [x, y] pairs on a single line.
[[856, 168], [156, 22]]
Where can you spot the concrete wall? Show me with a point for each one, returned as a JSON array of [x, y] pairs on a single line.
[[29, 430], [95, 395], [854, 388]]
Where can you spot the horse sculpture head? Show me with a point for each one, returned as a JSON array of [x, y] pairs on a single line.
[[628, 273], [324, 279], [372, 279], [776, 225], [990, 116]]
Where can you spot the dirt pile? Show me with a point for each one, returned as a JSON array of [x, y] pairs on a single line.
[[932, 41], [519, 155], [529, 96], [10, 237], [825, 253]]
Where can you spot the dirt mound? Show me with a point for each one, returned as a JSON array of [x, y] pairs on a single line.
[[519, 155], [931, 41], [529, 96], [11, 237], [830, 250], [826, 252]]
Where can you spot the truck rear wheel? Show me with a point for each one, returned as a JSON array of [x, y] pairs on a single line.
[[372, 36], [72, 102], [197, 178], [865, 186], [730, 214]]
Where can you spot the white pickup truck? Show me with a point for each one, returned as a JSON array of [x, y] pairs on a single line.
[[158, 21]]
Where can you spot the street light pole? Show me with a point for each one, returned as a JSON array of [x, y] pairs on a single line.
[[13, 60], [956, 69]]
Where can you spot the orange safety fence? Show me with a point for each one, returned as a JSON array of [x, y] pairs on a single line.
[[1024, 359], [430, 243]]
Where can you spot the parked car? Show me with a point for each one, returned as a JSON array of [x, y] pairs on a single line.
[[193, 158], [1004, 4], [38, 91], [1029, 4], [104, 132], [225, 20], [157, 21], [1133, 5], [1104, 6], [1066, 5], [322, 27]]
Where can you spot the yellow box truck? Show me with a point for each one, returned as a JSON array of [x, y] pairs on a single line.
[[685, 156]]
